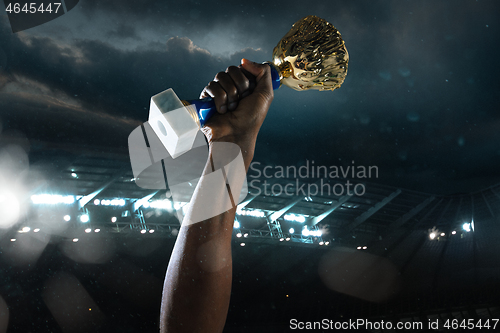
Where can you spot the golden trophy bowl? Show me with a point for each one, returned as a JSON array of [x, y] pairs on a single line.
[[312, 55]]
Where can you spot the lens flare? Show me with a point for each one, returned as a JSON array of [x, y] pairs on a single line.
[[9, 209]]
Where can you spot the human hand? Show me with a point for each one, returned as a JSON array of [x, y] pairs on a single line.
[[242, 96]]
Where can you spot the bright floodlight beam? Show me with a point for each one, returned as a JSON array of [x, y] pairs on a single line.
[[10, 208]]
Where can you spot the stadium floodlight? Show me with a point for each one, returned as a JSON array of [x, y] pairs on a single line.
[[151, 231], [163, 204], [97, 202], [36, 230], [239, 234], [67, 218], [294, 218], [179, 204], [84, 218], [466, 227], [143, 231], [292, 230], [250, 212], [75, 240], [305, 232], [236, 225], [113, 219], [443, 234], [97, 230], [242, 244], [52, 199], [315, 233], [88, 230], [453, 232], [359, 247], [432, 235], [113, 202]]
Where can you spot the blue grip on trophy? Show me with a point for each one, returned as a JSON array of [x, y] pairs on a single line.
[[205, 107]]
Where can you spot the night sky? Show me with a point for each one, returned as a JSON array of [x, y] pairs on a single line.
[[420, 99]]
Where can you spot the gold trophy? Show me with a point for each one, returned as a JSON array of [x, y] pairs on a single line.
[[312, 55]]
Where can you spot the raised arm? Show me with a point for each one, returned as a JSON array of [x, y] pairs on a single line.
[[197, 285]]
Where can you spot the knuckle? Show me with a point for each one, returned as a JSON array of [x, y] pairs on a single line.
[[245, 85], [222, 95], [220, 75], [233, 91]]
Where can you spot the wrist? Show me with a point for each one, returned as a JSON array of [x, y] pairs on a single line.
[[246, 145]]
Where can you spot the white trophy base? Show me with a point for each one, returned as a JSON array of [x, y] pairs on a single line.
[[172, 123]]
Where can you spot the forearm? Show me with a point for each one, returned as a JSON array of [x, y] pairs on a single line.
[[198, 281]]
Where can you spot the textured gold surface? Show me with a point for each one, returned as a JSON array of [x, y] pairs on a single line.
[[312, 55]]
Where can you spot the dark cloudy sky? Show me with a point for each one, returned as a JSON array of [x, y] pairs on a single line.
[[420, 100]]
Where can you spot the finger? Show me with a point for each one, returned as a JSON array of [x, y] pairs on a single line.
[[215, 90], [240, 80], [262, 74], [227, 83], [251, 81], [204, 94]]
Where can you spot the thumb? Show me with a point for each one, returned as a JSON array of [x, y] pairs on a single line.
[[262, 73]]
